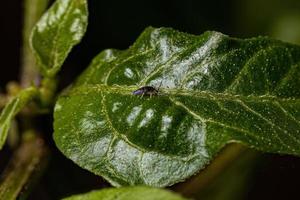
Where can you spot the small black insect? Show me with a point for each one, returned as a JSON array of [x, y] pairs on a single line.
[[146, 91]]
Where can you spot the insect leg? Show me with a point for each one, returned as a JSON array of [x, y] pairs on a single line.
[[142, 95]]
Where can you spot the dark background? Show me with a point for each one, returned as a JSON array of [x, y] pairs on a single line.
[[116, 24]]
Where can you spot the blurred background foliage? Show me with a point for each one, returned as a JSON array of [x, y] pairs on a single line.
[[117, 24]]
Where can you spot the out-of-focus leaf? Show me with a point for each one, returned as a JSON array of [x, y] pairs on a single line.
[[214, 90], [286, 28], [12, 108], [59, 29], [234, 183], [128, 193]]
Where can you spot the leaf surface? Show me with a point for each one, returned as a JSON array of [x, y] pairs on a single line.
[[13, 107], [128, 193], [214, 90], [59, 29]]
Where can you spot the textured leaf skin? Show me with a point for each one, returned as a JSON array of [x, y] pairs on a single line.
[[59, 29], [128, 193], [215, 90], [12, 108]]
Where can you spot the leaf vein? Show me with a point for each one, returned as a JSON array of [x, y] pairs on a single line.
[[196, 70], [285, 76], [114, 131], [197, 116], [286, 112], [270, 123], [173, 57], [245, 67], [125, 60], [54, 54]]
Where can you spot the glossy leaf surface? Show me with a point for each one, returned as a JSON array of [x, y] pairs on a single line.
[[12, 108], [214, 90], [59, 29], [128, 193]]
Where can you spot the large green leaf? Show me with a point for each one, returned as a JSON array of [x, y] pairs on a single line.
[[214, 90], [59, 29], [15, 105], [128, 193]]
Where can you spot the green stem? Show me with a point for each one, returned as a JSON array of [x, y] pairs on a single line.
[[13, 136], [3, 101], [30, 158], [33, 9], [47, 91], [24, 169]]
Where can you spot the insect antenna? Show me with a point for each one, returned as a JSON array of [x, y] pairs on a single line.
[[159, 86]]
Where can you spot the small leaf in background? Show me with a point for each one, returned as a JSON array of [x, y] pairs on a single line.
[[214, 90], [59, 29], [128, 193], [12, 108]]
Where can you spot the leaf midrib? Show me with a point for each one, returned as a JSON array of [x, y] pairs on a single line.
[[127, 90], [53, 54], [239, 129]]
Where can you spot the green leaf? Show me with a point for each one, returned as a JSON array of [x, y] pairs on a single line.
[[59, 29], [214, 90], [13, 107], [128, 193]]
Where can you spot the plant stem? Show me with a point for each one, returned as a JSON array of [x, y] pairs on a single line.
[[3, 100], [33, 9], [25, 167], [13, 136], [30, 158]]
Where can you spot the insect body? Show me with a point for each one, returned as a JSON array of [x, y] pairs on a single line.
[[146, 91]]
